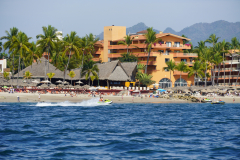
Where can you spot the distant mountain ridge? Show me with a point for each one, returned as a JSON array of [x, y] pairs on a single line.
[[197, 32]]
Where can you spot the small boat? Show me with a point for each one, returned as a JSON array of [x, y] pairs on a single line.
[[206, 100], [106, 101], [218, 102]]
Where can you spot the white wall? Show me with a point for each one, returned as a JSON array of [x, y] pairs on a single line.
[[3, 64]]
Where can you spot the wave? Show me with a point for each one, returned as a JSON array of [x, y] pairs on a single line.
[[87, 103]]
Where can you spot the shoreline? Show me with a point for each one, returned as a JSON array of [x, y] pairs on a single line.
[[33, 97]]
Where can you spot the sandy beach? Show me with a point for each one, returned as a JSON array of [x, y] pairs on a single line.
[[34, 97]]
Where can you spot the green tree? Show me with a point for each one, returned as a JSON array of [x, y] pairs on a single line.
[[87, 48], [7, 45], [140, 70], [182, 67], [89, 68], [0, 46], [71, 74], [72, 44], [171, 67], [146, 79], [196, 70], [27, 75], [206, 57], [50, 75], [128, 57], [20, 45], [34, 54], [47, 41], [93, 78], [212, 39], [127, 41], [185, 41], [150, 40], [6, 75]]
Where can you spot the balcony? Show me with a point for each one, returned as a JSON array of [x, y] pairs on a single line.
[[227, 69], [184, 55], [98, 52], [187, 63], [138, 54], [149, 62], [227, 77], [178, 73], [96, 59], [232, 62], [143, 45]]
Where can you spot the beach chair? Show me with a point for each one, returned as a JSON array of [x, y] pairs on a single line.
[[144, 88], [133, 88], [147, 88], [141, 88], [129, 88], [125, 88]]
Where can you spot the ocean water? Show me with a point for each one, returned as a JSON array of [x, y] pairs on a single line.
[[119, 131]]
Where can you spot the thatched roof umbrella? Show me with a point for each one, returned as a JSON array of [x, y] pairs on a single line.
[[52, 85], [44, 86]]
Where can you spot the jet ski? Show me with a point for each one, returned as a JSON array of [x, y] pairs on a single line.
[[218, 102], [106, 101], [206, 100]]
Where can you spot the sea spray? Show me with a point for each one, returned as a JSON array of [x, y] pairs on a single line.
[[86, 103]]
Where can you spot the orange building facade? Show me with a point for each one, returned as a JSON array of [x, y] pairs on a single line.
[[170, 47]]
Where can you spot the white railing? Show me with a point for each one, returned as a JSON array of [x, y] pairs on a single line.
[[233, 61]]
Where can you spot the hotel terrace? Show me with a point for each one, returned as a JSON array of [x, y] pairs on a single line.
[[170, 47]]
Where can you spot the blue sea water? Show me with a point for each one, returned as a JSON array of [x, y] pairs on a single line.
[[119, 131]]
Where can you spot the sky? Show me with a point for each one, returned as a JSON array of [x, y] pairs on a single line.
[[90, 16]]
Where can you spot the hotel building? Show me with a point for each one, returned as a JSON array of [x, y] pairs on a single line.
[[170, 47]]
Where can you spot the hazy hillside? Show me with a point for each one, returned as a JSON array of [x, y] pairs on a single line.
[[199, 31]]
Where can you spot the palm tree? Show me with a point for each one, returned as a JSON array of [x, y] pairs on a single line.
[[72, 44], [6, 75], [182, 67], [150, 40], [234, 44], [7, 45], [92, 78], [127, 42], [87, 47], [140, 69], [0, 46], [46, 41], [199, 49], [20, 45], [27, 75], [34, 54], [212, 39], [206, 57], [196, 70], [171, 67], [51, 75], [89, 68], [71, 75], [238, 68]]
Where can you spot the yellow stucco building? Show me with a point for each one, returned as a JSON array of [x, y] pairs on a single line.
[[170, 47]]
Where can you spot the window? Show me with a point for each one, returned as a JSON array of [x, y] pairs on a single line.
[[184, 60], [180, 82], [169, 44], [161, 51], [177, 44], [166, 60], [166, 69], [165, 83]]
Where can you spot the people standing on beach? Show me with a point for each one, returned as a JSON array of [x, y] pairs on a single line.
[[233, 100], [39, 98], [18, 98]]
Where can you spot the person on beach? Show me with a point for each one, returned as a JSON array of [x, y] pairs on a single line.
[[39, 97], [233, 100], [18, 98]]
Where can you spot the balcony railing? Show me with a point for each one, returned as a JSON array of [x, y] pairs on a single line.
[[227, 69], [226, 76], [232, 61], [185, 55], [184, 61]]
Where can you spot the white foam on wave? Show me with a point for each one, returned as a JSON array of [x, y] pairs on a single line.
[[88, 103]]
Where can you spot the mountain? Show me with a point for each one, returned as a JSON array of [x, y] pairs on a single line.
[[199, 31]]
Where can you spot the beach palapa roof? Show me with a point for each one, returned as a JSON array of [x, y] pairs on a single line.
[[38, 70]]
